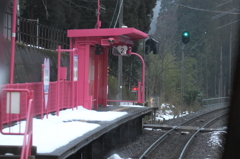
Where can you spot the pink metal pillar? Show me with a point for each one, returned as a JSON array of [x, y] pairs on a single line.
[[100, 79], [105, 76], [81, 69], [86, 77], [42, 93], [58, 78], [71, 75], [96, 82], [14, 19], [74, 83], [83, 75], [71, 62]]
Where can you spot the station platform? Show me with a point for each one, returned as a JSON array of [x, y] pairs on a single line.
[[110, 134]]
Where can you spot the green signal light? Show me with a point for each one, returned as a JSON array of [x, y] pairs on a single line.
[[185, 37], [186, 34]]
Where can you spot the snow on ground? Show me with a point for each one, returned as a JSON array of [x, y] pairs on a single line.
[[30, 45], [215, 139], [114, 156], [50, 134], [166, 112]]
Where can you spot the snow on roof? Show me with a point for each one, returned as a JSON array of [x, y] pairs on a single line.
[[56, 131]]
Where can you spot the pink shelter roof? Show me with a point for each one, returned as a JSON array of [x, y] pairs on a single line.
[[131, 33]]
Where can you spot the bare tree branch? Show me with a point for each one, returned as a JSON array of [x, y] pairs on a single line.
[[45, 6]]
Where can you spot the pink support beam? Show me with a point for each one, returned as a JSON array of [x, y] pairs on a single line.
[[42, 92], [14, 19], [96, 83], [80, 86], [86, 76], [71, 61], [132, 33], [105, 77], [58, 77]]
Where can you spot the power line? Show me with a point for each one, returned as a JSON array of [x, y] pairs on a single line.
[[223, 3], [228, 24], [76, 5], [222, 14], [205, 10]]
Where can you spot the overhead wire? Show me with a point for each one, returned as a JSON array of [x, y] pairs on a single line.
[[76, 5], [118, 14], [205, 10], [114, 13], [222, 13]]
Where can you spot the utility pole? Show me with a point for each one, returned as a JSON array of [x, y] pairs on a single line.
[[182, 79], [230, 63], [220, 92], [120, 22]]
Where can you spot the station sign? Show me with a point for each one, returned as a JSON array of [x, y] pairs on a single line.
[[46, 79], [120, 50]]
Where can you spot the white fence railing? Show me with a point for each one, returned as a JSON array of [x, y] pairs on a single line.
[[219, 101]]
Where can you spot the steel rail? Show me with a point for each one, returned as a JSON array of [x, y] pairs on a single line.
[[165, 136], [183, 153]]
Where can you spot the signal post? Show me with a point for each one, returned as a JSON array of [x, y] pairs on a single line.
[[185, 40]]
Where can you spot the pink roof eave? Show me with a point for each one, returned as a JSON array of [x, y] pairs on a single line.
[[131, 33]]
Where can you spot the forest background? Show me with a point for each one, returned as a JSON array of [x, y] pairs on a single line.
[[209, 56]]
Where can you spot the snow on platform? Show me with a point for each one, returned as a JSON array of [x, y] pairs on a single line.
[[56, 131]]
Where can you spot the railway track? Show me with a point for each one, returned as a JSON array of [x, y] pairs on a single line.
[[191, 140], [198, 124]]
